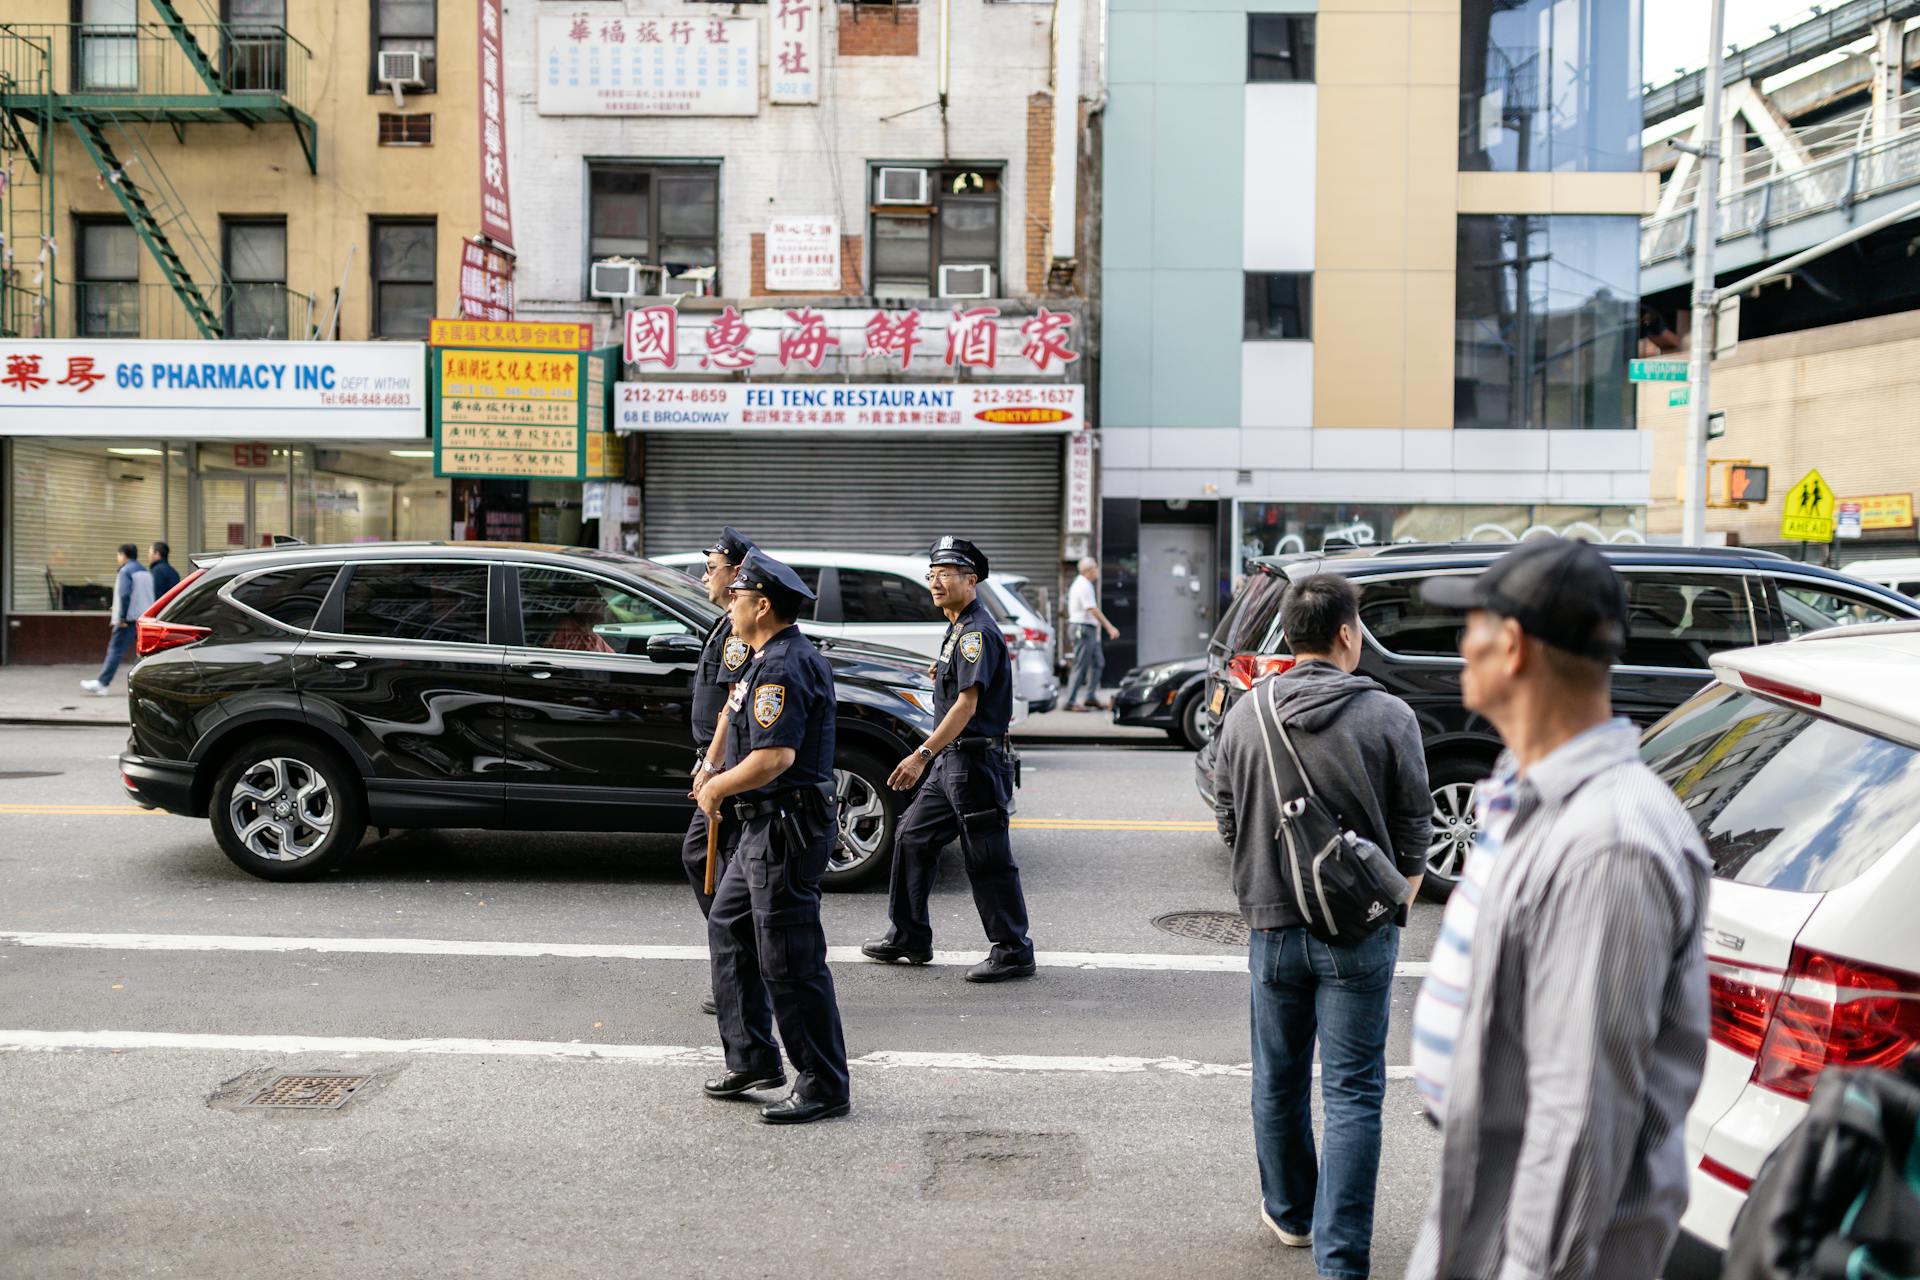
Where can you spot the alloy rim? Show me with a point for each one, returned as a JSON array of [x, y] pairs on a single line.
[[282, 809], [863, 821], [1453, 827]]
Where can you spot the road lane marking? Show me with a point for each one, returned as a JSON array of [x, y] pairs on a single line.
[[1028, 824], [110, 810], [1161, 962], [26, 1041]]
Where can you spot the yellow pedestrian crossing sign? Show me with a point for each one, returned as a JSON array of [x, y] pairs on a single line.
[[1808, 516]]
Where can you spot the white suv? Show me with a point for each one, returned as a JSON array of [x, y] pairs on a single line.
[[884, 600], [1801, 766]]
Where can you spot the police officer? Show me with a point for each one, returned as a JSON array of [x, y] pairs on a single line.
[[775, 801], [723, 661], [969, 789]]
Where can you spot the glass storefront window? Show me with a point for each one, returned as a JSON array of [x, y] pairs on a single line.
[[1279, 528], [1546, 313], [1549, 86], [72, 503]]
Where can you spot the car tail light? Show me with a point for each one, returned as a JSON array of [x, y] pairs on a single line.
[[1725, 1173], [1834, 1012], [1033, 635], [153, 610], [150, 637], [1780, 689], [1244, 669], [1740, 1001]]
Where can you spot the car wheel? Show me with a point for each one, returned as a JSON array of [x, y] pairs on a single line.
[[1196, 726], [1452, 781], [869, 813], [284, 809]]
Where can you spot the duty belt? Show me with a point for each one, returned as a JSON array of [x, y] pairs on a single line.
[[747, 810], [978, 745]]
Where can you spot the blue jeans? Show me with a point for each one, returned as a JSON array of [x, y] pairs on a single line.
[[1088, 662], [1303, 986], [117, 646]]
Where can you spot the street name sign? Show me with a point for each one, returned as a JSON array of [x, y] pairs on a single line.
[[1657, 370]]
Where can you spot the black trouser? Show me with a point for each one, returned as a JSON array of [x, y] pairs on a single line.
[[965, 794], [693, 855], [770, 960]]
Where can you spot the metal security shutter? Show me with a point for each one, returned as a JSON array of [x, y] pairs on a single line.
[[847, 493]]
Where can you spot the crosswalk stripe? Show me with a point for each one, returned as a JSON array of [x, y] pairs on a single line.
[[1163, 962], [34, 1041]]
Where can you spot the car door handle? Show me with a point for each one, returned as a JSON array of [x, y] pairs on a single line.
[[538, 670], [343, 661]]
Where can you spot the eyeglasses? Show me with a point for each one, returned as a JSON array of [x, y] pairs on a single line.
[[945, 575]]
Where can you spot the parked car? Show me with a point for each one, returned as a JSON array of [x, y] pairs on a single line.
[[1801, 767], [884, 600], [1685, 604], [296, 696], [1170, 696], [1895, 575]]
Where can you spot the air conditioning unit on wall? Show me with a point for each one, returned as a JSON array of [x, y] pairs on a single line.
[[970, 280], [397, 70], [902, 186], [611, 278]]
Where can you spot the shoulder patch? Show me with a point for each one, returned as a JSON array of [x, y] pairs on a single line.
[[769, 700], [735, 655], [970, 646]]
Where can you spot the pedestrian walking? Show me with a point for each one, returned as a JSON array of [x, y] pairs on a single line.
[[723, 663], [775, 798], [968, 765], [1560, 1035], [1345, 739], [1085, 622], [165, 576], [132, 596]]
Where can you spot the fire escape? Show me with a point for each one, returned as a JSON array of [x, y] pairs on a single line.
[[113, 86]]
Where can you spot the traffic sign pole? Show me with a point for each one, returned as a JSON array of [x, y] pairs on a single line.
[[1706, 209]]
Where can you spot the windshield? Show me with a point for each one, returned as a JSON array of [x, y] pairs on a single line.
[[1783, 798]]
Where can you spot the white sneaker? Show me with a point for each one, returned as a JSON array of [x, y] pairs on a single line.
[[93, 686], [103, 691], [1287, 1238]]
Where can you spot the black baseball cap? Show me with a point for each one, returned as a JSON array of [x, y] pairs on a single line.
[[732, 544], [958, 551], [1559, 590], [779, 583]]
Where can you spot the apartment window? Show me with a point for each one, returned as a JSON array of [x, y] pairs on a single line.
[[935, 232], [107, 49], [255, 45], [667, 216], [1279, 48], [1546, 313], [1549, 86], [406, 131], [107, 291], [1279, 305], [404, 26], [403, 250], [255, 253]]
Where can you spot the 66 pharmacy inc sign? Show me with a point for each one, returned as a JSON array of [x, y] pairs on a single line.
[[944, 407], [214, 390]]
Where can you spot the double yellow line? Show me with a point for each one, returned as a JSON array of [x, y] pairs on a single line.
[[106, 810]]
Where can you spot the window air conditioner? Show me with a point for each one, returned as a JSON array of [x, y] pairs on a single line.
[[973, 280], [903, 186], [398, 69], [613, 279]]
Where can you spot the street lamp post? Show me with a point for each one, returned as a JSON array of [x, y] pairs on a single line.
[[1706, 204]]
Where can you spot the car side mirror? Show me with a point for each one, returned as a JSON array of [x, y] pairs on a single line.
[[678, 647]]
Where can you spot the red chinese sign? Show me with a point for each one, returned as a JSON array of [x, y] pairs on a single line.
[[805, 338], [793, 69], [496, 215], [486, 282]]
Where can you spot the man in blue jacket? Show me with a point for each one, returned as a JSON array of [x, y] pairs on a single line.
[[132, 596]]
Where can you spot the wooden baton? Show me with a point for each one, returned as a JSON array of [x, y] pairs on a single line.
[[713, 849]]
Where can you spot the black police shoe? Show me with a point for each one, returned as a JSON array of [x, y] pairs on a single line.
[[708, 1007], [993, 970], [735, 1083], [794, 1109], [888, 952]]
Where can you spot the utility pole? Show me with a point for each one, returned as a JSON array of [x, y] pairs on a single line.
[[1706, 230]]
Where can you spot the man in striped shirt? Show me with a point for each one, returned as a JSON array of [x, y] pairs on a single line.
[[1560, 1036]]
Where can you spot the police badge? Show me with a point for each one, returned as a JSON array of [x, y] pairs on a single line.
[[769, 700], [735, 654], [970, 646]]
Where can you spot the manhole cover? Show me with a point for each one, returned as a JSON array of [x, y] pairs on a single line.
[[325, 1093], [1223, 927]]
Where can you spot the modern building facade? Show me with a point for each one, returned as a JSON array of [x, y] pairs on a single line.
[[223, 244], [1368, 274]]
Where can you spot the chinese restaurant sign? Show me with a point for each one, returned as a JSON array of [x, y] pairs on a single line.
[[496, 212], [662, 340], [486, 282], [974, 407], [793, 70], [522, 414], [213, 390], [803, 254], [649, 64]]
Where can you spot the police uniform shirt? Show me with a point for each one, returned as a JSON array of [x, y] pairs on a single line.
[[723, 662], [974, 655], [785, 700]]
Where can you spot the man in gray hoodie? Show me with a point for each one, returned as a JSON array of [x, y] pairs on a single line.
[[1361, 747]]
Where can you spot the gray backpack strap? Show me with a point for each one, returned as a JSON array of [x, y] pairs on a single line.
[[1287, 742]]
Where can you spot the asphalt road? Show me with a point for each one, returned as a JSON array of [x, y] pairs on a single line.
[[525, 1008]]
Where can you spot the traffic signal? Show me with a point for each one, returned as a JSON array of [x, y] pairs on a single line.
[[1746, 484]]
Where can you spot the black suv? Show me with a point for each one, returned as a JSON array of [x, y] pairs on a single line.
[[1684, 605], [297, 696]]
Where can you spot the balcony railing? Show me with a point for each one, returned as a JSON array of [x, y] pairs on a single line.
[[153, 70], [125, 309]]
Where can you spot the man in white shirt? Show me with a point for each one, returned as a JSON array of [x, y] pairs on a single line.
[[1084, 621]]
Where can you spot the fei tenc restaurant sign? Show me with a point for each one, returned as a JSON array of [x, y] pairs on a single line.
[[83, 387]]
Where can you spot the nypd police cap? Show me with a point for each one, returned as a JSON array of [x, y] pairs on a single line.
[[732, 544], [779, 583], [958, 551]]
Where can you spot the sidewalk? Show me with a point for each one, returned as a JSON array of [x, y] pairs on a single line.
[[52, 695], [1091, 727]]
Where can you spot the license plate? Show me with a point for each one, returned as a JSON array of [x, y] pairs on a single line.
[[1219, 696]]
